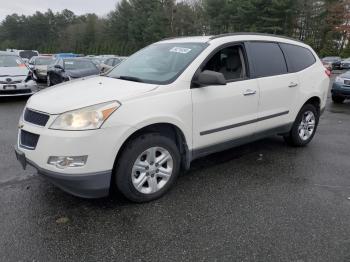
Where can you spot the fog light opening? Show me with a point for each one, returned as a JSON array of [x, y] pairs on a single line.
[[62, 162]]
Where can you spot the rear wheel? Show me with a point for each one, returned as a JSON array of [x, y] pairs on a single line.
[[147, 168], [338, 99], [304, 127]]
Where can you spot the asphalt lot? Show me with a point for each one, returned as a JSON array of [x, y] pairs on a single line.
[[261, 202]]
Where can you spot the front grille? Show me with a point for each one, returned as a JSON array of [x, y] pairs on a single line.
[[28, 140], [15, 91], [35, 118], [10, 82]]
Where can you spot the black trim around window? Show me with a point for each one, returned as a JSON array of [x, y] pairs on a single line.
[[217, 49], [223, 128]]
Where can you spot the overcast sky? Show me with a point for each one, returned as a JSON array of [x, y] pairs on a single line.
[[27, 7]]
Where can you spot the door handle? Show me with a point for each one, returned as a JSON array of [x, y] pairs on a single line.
[[249, 92], [292, 84]]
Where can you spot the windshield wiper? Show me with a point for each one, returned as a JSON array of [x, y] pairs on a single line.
[[130, 78]]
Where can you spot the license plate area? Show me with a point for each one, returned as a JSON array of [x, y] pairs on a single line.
[[9, 87]]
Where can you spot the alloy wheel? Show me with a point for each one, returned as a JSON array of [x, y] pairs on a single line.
[[152, 170], [307, 125]]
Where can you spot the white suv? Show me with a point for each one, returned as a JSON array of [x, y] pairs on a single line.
[[168, 104]]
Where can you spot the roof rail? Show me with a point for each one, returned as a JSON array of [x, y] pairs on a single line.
[[250, 33]]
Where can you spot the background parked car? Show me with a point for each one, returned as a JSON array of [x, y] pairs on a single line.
[[97, 60], [16, 78], [39, 64], [110, 63], [345, 64], [65, 69], [341, 88], [335, 61], [26, 55]]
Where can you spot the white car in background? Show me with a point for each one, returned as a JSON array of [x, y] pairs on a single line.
[[16, 79], [168, 104]]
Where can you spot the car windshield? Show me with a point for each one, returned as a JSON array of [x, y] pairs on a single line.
[[10, 61], [28, 54], [158, 63], [43, 61], [75, 64]]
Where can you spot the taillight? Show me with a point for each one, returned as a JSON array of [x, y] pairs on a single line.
[[328, 72]]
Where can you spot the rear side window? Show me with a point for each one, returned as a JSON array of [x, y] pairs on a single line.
[[267, 59], [298, 58]]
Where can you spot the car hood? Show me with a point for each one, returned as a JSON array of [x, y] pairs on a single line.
[[86, 92], [345, 75], [13, 71]]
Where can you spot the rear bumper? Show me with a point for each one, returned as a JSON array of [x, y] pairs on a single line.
[[88, 185]]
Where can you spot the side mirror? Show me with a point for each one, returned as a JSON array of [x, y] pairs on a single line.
[[209, 78], [59, 67]]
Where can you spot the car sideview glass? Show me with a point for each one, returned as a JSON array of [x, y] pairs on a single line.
[[158, 63], [228, 61], [268, 59], [298, 58]]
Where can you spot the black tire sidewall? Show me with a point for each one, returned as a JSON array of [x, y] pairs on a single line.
[[294, 135], [129, 155], [338, 99]]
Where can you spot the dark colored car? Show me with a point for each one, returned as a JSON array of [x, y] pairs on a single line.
[[66, 69], [335, 61], [341, 88], [345, 64]]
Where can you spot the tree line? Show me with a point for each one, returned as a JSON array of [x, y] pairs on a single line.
[[133, 24]]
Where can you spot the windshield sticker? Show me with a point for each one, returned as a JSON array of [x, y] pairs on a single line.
[[181, 50]]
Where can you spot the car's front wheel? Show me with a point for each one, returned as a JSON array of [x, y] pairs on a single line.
[[48, 79], [147, 167], [304, 126], [338, 99]]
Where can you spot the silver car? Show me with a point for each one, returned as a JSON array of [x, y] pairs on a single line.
[[39, 66], [16, 79]]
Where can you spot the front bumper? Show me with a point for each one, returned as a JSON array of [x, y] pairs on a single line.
[[88, 185], [340, 90], [19, 89], [101, 146]]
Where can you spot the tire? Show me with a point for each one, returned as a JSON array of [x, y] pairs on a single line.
[[300, 134], [135, 168], [338, 99], [48, 81]]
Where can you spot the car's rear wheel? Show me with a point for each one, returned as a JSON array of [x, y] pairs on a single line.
[[147, 167], [338, 99], [304, 127]]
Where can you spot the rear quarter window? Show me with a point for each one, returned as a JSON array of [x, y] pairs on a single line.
[[298, 58], [267, 59]]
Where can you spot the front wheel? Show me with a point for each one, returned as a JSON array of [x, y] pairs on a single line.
[[304, 127], [147, 168], [48, 79]]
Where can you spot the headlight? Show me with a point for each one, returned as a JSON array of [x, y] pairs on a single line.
[[86, 118], [339, 80]]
